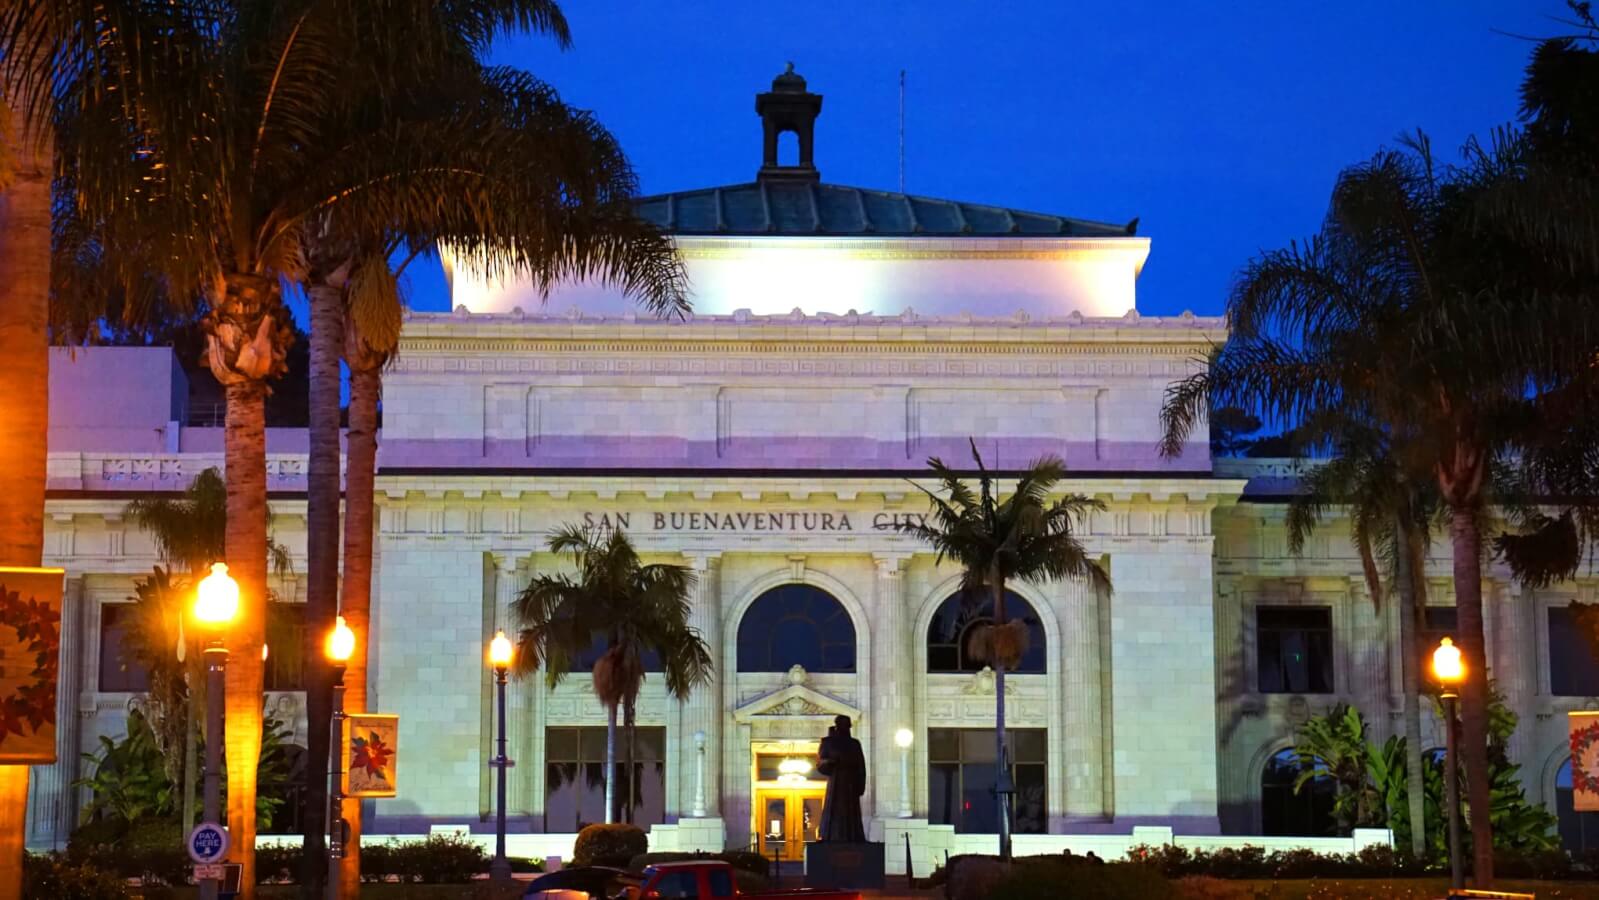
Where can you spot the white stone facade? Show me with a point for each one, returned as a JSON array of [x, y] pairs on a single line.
[[771, 450]]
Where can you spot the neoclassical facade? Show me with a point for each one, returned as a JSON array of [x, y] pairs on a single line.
[[772, 442]]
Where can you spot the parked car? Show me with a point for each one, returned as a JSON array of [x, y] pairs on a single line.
[[581, 883], [712, 879]]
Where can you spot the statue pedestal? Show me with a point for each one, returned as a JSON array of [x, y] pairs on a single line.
[[845, 866]]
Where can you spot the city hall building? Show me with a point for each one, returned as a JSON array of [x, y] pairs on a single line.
[[771, 442]]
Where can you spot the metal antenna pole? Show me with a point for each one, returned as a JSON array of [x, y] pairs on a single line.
[[902, 131]]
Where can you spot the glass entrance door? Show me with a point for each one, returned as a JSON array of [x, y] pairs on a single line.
[[789, 818]]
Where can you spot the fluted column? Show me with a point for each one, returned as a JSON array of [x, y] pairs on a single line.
[[1083, 740], [1511, 663], [53, 808], [703, 710], [891, 682], [518, 693]]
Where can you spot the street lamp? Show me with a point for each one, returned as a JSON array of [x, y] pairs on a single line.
[[1450, 669], [903, 739], [500, 653], [338, 648], [216, 603]]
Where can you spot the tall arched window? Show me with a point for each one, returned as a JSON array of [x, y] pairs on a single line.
[[1285, 812], [1578, 830], [952, 626], [796, 624]]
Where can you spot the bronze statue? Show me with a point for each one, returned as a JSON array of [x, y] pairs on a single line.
[[841, 759]]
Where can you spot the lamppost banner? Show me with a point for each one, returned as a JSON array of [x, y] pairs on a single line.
[[371, 755], [1584, 727], [30, 663]]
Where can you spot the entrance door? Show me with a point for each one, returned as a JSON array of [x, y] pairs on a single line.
[[789, 819]]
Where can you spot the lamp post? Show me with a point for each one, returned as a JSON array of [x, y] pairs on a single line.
[[903, 739], [500, 653], [699, 774], [1450, 669], [216, 603], [338, 649]]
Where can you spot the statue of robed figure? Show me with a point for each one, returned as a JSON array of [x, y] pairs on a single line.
[[841, 759]]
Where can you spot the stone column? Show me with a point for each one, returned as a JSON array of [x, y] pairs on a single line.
[[1512, 663], [891, 683], [519, 694], [53, 807], [1082, 742], [703, 710]]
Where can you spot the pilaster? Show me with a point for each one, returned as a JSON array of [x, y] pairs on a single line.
[[519, 692], [52, 806], [1083, 732], [891, 682], [1512, 663], [702, 712]]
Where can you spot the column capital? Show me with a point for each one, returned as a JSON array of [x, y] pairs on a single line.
[[890, 564], [505, 561], [702, 560]]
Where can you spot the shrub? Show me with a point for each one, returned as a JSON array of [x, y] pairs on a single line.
[[57, 877], [973, 877], [609, 845], [744, 860], [1551, 865], [1047, 878], [279, 864], [440, 859]]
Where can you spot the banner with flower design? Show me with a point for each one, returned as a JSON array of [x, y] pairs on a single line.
[[30, 661], [370, 754], [1584, 728]]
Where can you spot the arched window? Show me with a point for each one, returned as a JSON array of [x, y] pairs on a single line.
[[1285, 812], [796, 624], [952, 626], [1578, 830]]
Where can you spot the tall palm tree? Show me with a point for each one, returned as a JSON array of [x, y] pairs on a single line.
[[1390, 517], [636, 609], [1407, 312], [1027, 536]]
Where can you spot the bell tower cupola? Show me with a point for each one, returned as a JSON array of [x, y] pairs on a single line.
[[788, 106]]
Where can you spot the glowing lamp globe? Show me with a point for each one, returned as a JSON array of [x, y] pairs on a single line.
[[903, 738], [500, 650], [341, 642], [1447, 664], [216, 601]]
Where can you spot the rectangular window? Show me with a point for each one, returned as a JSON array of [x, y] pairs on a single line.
[[1437, 623], [1573, 671], [285, 664], [119, 670], [1294, 649], [961, 773], [574, 777]]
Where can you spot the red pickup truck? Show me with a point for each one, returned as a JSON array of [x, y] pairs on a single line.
[[712, 879]]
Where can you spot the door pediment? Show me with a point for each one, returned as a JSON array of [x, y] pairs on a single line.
[[797, 701]]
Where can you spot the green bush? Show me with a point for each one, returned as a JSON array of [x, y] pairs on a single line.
[[609, 845], [1048, 878], [56, 877], [279, 864], [440, 859]]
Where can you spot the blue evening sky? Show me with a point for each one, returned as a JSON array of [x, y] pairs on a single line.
[[1220, 125]]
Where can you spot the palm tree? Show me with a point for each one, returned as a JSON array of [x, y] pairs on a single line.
[[189, 531], [1407, 313], [1390, 516], [636, 609], [1026, 536], [46, 49]]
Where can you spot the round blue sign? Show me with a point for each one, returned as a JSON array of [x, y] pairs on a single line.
[[208, 842]]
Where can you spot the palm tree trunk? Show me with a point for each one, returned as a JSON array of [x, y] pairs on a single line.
[[322, 570], [191, 760], [1466, 535], [360, 468], [1410, 599], [25, 383], [628, 722], [245, 455], [1002, 780], [610, 764]]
